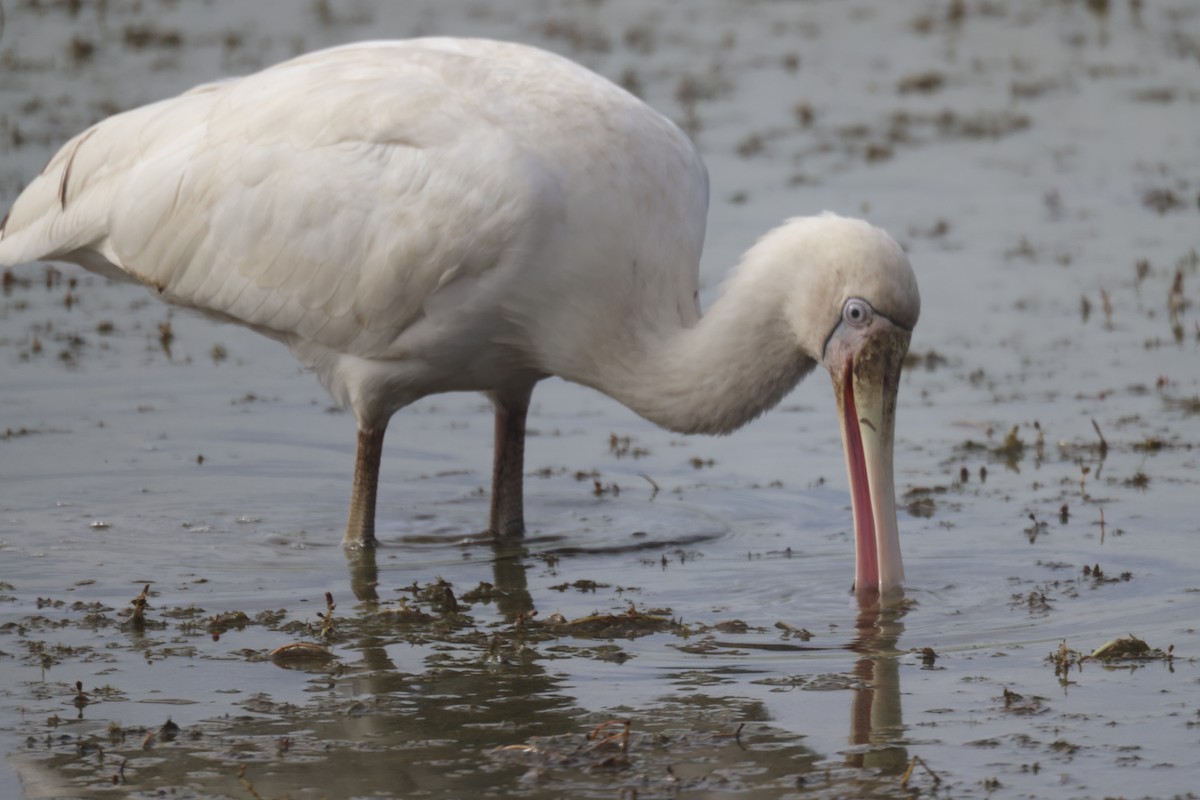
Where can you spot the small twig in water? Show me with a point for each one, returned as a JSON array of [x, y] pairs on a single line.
[[1103, 443], [911, 766], [622, 735], [241, 775], [653, 485]]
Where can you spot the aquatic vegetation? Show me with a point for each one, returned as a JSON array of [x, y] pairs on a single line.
[[1125, 651]]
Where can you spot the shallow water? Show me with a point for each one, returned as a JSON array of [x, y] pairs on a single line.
[[1029, 155]]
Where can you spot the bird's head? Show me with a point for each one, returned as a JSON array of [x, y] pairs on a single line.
[[854, 312]]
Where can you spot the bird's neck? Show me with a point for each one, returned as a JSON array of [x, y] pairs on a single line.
[[738, 361]]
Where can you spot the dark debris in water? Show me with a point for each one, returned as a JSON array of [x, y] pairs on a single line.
[[664, 755], [1123, 652], [629, 625], [930, 360], [582, 585], [300, 653], [1190, 406], [1098, 575], [813, 683], [919, 501], [228, 621]]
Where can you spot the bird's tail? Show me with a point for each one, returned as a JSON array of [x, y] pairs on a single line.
[[47, 220], [66, 212]]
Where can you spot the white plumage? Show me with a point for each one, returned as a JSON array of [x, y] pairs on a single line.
[[439, 215]]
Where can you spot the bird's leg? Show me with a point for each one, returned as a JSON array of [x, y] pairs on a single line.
[[360, 525], [508, 513]]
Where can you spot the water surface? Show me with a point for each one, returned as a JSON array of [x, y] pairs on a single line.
[[1039, 161]]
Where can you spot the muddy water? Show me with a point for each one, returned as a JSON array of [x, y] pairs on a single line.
[[1039, 160]]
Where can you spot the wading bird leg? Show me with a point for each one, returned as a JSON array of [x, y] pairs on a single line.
[[508, 513], [360, 525]]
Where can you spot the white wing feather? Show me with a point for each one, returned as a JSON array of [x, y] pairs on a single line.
[[433, 214], [330, 220]]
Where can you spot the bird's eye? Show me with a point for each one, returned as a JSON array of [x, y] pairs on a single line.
[[857, 312]]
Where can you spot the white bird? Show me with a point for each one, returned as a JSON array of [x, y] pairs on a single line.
[[436, 215]]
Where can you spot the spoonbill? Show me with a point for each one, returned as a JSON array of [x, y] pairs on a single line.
[[436, 215]]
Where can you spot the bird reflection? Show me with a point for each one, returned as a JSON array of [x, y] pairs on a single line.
[[509, 562], [508, 573], [364, 575], [876, 720], [875, 717]]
